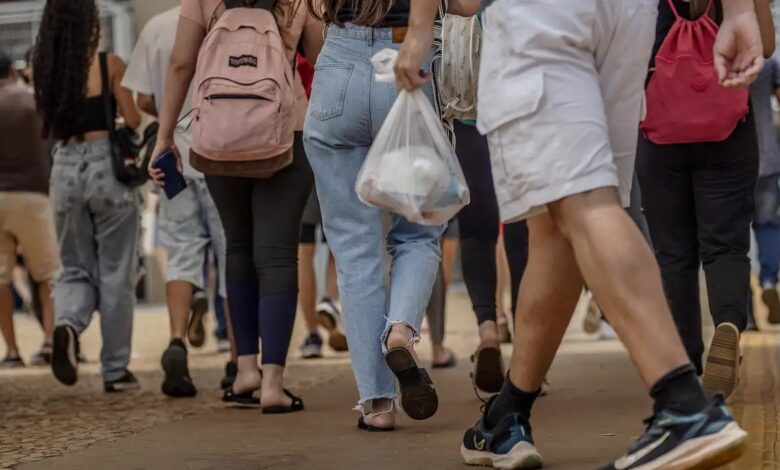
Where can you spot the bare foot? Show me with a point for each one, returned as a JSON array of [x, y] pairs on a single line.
[[488, 332], [273, 387], [441, 355], [382, 414]]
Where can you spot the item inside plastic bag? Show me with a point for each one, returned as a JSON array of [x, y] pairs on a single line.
[[411, 169]]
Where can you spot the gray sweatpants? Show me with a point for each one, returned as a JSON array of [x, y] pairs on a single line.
[[97, 222]]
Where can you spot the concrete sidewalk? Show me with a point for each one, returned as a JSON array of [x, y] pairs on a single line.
[[593, 413]]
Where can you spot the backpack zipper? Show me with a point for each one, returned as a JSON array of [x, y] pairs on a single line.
[[227, 96]]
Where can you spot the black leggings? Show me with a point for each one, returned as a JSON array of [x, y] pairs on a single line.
[[479, 222], [262, 223], [699, 203]]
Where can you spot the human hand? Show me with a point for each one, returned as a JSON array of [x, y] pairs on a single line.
[[162, 146], [408, 65], [738, 52]]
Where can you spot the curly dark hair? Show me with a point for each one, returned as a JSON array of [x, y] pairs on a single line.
[[67, 40]]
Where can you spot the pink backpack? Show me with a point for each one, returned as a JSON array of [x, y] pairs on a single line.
[[685, 101], [243, 95]]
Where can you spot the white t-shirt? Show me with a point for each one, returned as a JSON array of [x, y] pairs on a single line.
[[147, 70]]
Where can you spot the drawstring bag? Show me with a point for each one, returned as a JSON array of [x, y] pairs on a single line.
[[685, 101], [411, 169]]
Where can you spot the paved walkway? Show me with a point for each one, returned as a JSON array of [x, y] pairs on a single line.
[[593, 413]]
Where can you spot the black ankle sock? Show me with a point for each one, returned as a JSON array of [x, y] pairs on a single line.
[[178, 343], [679, 391], [510, 400]]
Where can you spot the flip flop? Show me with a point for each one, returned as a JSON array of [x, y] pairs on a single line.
[[488, 375], [418, 395], [245, 399], [450, 363], [367, 427], [297, 405]]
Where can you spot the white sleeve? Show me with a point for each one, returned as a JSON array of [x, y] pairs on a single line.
[[138, 74]]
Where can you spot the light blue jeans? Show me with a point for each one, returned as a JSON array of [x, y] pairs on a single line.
[[346, 111], [97, 220]]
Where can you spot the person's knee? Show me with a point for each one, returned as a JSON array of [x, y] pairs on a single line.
[[277, 268], [574, 215]]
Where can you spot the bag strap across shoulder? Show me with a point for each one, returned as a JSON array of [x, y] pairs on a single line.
[[105, 84], [677, 13]]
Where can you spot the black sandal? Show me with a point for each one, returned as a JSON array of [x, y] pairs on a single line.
[[297, 405], [488, 375], [371, 428], [244, 399], [418, 396]]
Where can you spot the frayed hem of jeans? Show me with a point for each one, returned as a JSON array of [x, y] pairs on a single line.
[[385, 334], [361, 405]]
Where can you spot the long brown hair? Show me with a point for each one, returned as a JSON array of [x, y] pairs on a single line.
[[369, 12], [698, 7]]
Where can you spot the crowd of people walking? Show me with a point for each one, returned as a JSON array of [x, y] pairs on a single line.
[[582, 109]]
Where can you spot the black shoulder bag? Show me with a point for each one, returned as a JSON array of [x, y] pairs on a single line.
[[124, 152]]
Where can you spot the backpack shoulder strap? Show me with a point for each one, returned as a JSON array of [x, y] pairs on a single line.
[[674, 9], [105, 85]]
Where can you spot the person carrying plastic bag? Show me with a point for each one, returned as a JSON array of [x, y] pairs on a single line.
[[411, 168]]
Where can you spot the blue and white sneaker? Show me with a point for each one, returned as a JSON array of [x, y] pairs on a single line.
[[509, 445], [708, 439]]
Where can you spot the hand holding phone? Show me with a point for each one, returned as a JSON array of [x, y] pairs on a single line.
[[173, 180]]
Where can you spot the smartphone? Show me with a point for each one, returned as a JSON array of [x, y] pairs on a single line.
[[174, 180]]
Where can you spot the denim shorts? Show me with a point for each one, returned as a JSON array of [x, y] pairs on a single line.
[[189, 226]]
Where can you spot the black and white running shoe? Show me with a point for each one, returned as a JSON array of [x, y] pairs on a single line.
[[126, 383], [704, 440], [65, 354], [312, 347]]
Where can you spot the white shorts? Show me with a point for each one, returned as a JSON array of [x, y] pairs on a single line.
[[561, 91]]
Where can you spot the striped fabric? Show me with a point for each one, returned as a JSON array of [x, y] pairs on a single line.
[[436, 70]]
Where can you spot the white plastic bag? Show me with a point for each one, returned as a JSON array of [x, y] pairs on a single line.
[[411, 168]]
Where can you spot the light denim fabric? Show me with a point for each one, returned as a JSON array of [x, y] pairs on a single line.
[[97, 221], [189, 224], [346, 111]]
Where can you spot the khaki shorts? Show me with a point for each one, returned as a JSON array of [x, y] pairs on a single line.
[[27, 223], [561, 89]]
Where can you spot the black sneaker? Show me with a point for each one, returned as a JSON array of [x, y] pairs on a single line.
[[231, 371], [126, 383], [42, 357], [65, 354], [708, 439], [509, 444], [196, 332], [177, 382], [312, 346], [330, 319], [14, 362]]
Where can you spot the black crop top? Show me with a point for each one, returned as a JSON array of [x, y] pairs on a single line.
[[94, 119], [397, 15]]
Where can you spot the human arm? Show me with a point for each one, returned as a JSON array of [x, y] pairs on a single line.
[[146, 104], [124, 97], [312, 40], [181, 69], [417, 45], [738, 49]]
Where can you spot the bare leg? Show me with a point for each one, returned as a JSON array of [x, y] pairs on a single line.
[[331, 283], [549, 293], [620, 269], [449, 250], [7, 321], [307, 286], [47, 310], [179, 297]]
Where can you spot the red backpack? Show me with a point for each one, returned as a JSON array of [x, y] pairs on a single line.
[[685, 101]]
